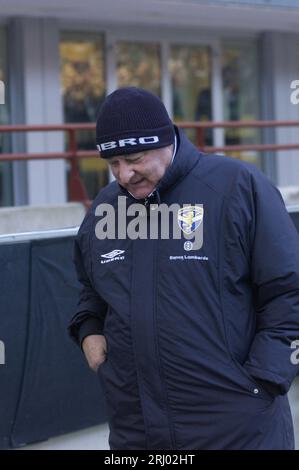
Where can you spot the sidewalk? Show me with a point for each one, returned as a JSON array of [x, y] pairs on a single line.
[[95, 438]]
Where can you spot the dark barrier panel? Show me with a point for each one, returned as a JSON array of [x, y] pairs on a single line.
[[58, 392], [295, 218], [14, 282]]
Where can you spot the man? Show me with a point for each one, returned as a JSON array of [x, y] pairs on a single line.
[[192, 336]]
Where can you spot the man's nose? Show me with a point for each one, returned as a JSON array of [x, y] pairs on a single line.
[[125, 173]]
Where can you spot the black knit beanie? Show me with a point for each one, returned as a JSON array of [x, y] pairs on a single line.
[[131, 120]]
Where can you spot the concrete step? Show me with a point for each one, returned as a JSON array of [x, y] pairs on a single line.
[[34, 218]]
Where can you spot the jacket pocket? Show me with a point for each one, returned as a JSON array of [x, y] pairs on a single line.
[[255, 388]]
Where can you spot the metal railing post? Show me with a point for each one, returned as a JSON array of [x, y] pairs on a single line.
[[200, 137], [77, 190]]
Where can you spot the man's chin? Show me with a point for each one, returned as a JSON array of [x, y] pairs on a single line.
[[141, 193]]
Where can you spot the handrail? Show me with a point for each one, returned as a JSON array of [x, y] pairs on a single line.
[[77, 190], [39, 234]]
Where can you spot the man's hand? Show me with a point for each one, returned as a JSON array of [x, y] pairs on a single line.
[[95, 350]]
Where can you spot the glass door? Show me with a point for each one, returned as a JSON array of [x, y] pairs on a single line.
[[240, 93], [138, 64], [187, 78], [212, 80], [83, 90], [190, 73]]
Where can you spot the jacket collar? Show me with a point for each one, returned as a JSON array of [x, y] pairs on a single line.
[[186, 158]]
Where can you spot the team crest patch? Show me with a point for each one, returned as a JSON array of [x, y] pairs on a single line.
[[190, 218]]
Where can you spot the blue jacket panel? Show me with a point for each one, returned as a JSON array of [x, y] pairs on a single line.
[[199, 342]]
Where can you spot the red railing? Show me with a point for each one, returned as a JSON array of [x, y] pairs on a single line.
[[77, 190]]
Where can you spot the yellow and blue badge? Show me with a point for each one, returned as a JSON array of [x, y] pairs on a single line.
[[190, 218]]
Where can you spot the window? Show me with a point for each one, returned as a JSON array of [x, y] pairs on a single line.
[[190, 71], [83, 90], [138, 64], [240, 78]]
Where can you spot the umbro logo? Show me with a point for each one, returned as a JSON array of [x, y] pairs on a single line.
[[114, 255], [128, 142]]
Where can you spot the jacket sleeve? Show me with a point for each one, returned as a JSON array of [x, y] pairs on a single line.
[[91, 309], [274, 261]]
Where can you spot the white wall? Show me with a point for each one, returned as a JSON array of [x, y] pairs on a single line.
[[37, 43]]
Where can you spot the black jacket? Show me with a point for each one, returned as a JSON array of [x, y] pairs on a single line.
[[195, 337]]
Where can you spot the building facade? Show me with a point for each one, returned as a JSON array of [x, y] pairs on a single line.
[[215, 60]]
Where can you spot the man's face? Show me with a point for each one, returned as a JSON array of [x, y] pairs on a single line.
[[139, 173]]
